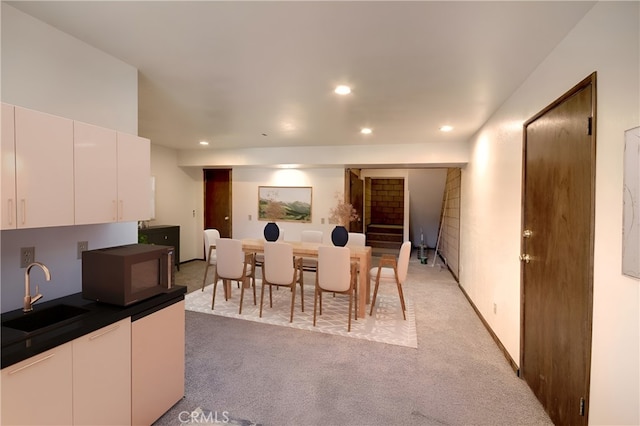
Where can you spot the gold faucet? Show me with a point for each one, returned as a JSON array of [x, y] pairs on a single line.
[[28, 300]]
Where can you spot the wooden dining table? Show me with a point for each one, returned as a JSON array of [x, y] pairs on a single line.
[[360, 254]]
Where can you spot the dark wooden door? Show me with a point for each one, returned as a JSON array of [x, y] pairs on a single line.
[[356, 198], [557, 276], [217, 200]]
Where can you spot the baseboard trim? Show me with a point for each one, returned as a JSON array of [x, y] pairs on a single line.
[[510, 360]]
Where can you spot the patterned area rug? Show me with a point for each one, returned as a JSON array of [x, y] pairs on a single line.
[[385, 325]]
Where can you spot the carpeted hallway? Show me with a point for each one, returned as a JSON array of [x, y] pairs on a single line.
[[242, 372]]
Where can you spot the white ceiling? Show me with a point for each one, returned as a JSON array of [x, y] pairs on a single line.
[[229, 72]]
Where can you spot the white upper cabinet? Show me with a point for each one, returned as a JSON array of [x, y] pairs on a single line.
[[44, 169], [96, 185], [134, 178], [60, 172], [8, 189]]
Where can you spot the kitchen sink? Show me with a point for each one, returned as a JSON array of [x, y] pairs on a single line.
[[45, 318]]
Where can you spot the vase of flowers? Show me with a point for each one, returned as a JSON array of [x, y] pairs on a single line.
[[342, 214], [272, 210]]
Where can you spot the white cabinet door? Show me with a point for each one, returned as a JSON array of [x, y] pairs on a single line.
[[102, 376], [157, 363], [38, 390], [95, 174], [8, 208], [44, 169], [134, 178]]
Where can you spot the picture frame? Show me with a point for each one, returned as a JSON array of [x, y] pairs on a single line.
[[292, 202]]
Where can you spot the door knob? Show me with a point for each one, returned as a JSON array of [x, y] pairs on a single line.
[[226, 218], [525, 257], [527, 233]]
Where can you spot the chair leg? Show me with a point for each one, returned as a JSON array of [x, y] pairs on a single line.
[[253, 281], [315, 305], [262, 296], [404, 308], [375, 293], [204, 280], [350, 306], [227, 289], [293, 299], [213, 299], [301, 289], [271, 295], [244, 280]]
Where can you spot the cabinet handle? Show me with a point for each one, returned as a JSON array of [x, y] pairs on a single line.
[[95, 336], [115, 210], [24, 211], [11, 210], [121, 209], [31, 364]]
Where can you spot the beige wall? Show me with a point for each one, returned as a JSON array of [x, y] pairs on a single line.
[[50, 71], [607, 41], [178, 199]]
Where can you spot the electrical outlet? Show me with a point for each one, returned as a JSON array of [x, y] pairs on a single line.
[[82, 246], [495, 308], [322, 221], [27, 256]]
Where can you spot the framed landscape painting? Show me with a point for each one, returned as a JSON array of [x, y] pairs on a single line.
[[284, 203]]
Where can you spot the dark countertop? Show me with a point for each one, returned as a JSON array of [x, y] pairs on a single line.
[[18, 345]]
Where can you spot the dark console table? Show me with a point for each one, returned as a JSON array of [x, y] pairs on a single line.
[[166, 235]]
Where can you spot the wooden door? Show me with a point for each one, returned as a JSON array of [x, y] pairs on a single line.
[[557, 276], [217, 200], [356, 198]]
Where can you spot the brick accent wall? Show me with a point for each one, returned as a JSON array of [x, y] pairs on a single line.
[[387, 201], [449, 247]]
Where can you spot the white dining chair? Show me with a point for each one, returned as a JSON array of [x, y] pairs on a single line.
[[357, 239], [260, 256], [210, 237], [310, 236], [392, 271], [337, 274], [280, 268], [233, 264]]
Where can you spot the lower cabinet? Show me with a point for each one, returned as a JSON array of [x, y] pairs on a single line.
[[157, 363], [124, 373], [38, 390], [102, 376]]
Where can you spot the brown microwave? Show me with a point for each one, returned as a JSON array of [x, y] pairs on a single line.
[[127, 274]]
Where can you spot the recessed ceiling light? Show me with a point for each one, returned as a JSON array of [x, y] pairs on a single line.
[[343, 90], [446, 128], [204, 143], [365, 131]]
